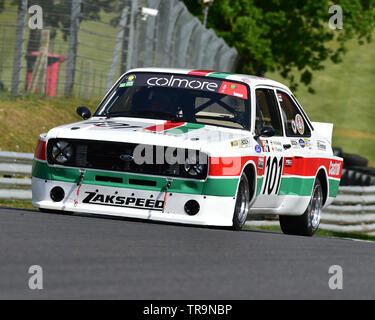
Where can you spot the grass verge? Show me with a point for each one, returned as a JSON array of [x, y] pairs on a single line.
[[16, 204], [24, 119]]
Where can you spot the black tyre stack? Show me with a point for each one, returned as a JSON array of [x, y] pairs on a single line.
[[356, 171]]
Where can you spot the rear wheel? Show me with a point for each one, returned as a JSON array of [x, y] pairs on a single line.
[[242, 206], [308, 223]]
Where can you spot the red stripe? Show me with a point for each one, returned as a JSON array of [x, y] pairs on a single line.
[[309, 166], [165, 126], [202, 73], [230, 166], [305, 167], [40, 152]]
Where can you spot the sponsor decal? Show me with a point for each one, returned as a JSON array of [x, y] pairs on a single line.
[[233, 89], [261, 163], [334, 168], [300, 124], [187, 82], [258, 149], [276, 146], [289, 162], [295, 144], [307, 142], [265, 146], [129, 82], [242, 143], [322, 146], [302, 143], [280, 97], [122, 201], [294, 127], [184, 83]]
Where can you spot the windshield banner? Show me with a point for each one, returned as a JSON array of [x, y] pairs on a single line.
[[186, 82]]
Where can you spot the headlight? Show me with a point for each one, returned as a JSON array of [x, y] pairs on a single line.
[[192, 167], [62, 151]]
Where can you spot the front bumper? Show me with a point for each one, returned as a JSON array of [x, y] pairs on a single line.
[[133, 203]]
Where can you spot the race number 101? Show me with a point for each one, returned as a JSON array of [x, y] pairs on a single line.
[[273, 174]]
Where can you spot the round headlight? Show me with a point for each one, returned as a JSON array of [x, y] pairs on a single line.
[[192, 167], [62, 151]]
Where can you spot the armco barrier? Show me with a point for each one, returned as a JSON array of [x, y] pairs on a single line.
[[15, 175], [352, 211]]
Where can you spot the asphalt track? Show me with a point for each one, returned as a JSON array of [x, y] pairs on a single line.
[[86, 257]]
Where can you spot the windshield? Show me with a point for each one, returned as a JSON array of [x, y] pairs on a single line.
[[181, 98]]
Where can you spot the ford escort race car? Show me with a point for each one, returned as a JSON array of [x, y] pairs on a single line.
[[193, 147]]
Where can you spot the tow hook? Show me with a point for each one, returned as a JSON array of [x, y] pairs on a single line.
[[167, 186], [79, 184]]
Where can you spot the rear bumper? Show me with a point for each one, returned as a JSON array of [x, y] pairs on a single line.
[[133, 203]]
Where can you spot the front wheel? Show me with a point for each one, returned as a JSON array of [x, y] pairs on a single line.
[[308, 223], [242, 205]]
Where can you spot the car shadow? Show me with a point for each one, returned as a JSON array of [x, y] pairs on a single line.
[[136, 220]]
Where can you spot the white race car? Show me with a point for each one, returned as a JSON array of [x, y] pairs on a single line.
[[192, 147]]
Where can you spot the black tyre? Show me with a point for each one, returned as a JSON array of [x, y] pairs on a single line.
[[242, 205], [366, 180], [308, 223], [354, 160], [337, 152], [351, 177], [344, 178]]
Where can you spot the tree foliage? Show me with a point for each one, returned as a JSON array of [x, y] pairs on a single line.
[[286, 35]]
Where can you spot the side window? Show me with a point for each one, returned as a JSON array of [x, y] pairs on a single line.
[[295, 124], [267, 111]]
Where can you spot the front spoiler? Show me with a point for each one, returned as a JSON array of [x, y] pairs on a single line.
[[214, 211]]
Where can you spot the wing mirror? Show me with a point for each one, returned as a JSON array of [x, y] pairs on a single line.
[[84, 112], [266, 132]]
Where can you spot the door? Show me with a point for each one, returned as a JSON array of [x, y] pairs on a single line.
[[275, 149]]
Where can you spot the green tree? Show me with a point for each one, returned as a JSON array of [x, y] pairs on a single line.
[[288, 35]]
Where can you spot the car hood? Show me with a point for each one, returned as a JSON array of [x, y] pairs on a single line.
[[153, 132]]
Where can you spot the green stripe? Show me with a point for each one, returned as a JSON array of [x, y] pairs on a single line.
[[186, 128], [333, 188], [259, 185], [220, 75], [296, 186], [212, 187]]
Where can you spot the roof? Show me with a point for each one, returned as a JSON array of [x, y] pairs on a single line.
[[252, 81]]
